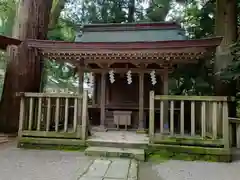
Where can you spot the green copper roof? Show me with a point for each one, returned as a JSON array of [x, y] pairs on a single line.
[[134, 32]]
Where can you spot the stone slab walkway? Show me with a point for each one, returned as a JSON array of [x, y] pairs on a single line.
[[111, 169]]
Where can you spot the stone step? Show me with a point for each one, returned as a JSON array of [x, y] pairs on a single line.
[[3, 140], [138, 154], [117, 144]]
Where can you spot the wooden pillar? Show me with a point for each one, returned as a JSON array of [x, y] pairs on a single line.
[[80, 92], [103, 100], [107, 92], [165, 92], [141, 101], [94, 90]]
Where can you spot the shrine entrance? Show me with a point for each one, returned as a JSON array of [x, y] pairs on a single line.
[[125, 91]]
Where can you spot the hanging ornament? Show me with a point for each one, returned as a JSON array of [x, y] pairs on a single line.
[[91, 80], [129, 77], [153, 77], [65, 69], [111, 76]]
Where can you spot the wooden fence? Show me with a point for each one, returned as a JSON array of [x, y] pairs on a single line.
[[189, 120], [53, 115]]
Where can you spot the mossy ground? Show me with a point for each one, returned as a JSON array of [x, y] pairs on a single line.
[[51, 147], [154, 152], [164, 155]]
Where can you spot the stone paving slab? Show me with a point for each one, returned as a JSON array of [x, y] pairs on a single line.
[[98, 168], [91, 178], [133, 170], [111, 169], [118, 169]]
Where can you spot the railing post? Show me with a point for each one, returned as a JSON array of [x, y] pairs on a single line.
[[21, 116], [84, 114], [151, 115], [226, 138]]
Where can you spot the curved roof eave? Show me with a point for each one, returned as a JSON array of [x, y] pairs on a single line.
[[6, 41]]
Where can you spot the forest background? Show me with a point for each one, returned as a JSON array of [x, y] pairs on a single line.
[[199, 18]]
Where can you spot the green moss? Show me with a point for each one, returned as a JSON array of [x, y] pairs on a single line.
[[51, 144], [206, 142], [189, 149], [51, 147], [159, 156]]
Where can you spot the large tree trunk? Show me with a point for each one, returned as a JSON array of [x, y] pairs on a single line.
[[23, 72], [57, 8], [226, 26], [131, 11]]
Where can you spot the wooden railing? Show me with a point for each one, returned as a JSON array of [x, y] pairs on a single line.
[[236, 122], [190, 120], [53, 115]]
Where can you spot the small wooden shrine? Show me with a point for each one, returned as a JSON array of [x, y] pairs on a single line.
[[125, 62]]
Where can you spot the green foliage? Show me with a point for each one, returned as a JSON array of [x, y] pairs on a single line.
[[191, 80], [158, 10], [196, 17], [7, 15], [199, 21]]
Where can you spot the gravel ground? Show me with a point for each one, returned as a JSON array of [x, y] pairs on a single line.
[[146, 172], [186, 170], [18, 164]]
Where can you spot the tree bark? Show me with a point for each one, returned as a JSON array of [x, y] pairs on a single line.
[[226, 26], [57, 7], [131, 11], [24, 68]]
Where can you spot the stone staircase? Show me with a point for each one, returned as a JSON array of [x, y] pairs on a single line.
[[3, 139], [138, 154], [112, 144]]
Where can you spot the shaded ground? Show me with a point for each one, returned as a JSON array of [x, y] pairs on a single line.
[[18, 164], [146, 172], [187, 170]]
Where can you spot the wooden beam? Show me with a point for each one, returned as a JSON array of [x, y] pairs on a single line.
[[124, 70], [101, 59], [193, 98]]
